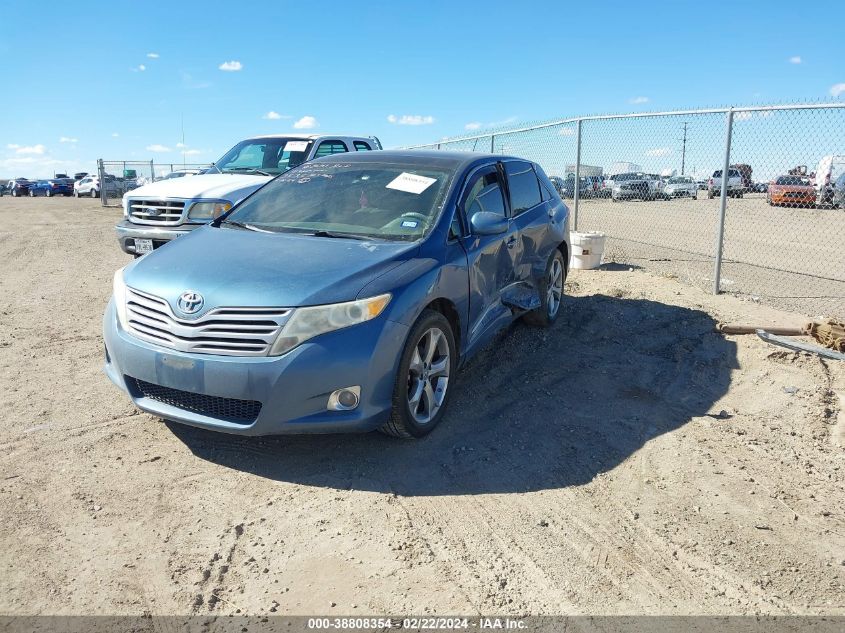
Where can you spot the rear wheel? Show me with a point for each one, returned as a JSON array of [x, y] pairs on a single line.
[[93, 193], [421, 390], [48, 193], [31, 193], [551, 293]]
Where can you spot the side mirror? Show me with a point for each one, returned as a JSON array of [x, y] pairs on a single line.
[[486, 223]]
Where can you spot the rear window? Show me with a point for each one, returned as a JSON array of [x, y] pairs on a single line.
[[327, 148], [361, 146], [523, 185]]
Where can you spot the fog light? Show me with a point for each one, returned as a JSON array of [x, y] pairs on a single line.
[[344, 399]]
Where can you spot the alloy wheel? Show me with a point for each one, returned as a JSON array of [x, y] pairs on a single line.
[[428, 375], [554, 287]]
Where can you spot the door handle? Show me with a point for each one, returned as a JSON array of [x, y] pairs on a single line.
[[511, 242]]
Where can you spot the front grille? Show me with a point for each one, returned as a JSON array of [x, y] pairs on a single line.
[[228, 409], [224, 331], [142, 211]]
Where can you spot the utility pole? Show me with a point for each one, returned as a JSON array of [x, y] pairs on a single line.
[[684, 149]]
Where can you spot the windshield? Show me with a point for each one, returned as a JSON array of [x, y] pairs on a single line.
[[629, 176], [793, 180], [379, 200], [268, 155]]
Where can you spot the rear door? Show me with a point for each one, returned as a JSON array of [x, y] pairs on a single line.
[[529, 204]]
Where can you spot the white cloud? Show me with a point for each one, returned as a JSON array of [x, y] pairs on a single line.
[[141, 68], [152, 55], [181, 145], [306, 123], [567, 131], [659, 151], [232, 66], [837, 89], [157, 147], [472, 126], [12, 146], [68, 139], [275, 116], [508, 121], [795, 60], [192, 152], [638, 100], [410, 119], [31, 149]]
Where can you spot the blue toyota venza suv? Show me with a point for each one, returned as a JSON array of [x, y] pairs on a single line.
[[341, 296]]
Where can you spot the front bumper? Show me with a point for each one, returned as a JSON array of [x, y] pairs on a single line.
[[160, 235], [293, 389]]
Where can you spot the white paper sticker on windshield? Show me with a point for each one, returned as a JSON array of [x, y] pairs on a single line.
[[411, 183], [296, 146]]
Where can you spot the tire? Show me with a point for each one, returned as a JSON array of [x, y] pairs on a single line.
[[430, 344], [14, 193], [614, 198], [93, 193], [709, 194], [75, 193], [48, 193], [31, 193], [551, 293]]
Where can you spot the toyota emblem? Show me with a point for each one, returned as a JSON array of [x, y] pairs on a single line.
[[190, 302]]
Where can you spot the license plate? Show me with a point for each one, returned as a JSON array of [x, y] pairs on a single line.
[[142, 247]]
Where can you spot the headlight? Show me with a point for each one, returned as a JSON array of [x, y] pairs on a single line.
[[119, 294], [208, 210], [309, 322]]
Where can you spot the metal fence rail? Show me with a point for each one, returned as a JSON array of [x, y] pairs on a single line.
[[770, 231], [119, 176]]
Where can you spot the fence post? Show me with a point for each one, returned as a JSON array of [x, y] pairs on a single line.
[[723, 203], [101, 172], [152, 172], [576, 197], [492, 143]]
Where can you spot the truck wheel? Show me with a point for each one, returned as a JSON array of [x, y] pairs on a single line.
[[421, 392], [31, 193], [93, 193], [551, 293], [48, 193]]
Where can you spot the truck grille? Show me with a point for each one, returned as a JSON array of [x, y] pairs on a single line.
[[229, 409], [224, 331], [155, 211]]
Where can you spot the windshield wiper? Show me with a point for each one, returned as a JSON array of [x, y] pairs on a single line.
[[257, 171], [343, 236], [245, 225]]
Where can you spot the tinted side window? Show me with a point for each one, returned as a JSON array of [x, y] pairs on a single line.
[[523, 185], [484, 194], [327, 148], [361, 146]]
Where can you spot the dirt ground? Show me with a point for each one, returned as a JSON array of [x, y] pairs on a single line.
[[630, 460]]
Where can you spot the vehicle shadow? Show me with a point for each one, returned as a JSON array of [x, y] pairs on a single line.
[[538, 409]]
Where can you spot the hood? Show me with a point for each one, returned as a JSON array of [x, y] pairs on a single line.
[[232, 187], [239, 268]]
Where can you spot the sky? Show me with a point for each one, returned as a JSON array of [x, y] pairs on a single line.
[[125, 81]]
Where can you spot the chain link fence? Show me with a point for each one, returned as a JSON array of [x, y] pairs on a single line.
[[653, 183], [116, 177]]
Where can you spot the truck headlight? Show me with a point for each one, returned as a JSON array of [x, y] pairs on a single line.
[[119, 295], [208, 210], [309, 322]]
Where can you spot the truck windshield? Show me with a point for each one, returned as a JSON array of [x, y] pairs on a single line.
[[372, 200], [264, 155]]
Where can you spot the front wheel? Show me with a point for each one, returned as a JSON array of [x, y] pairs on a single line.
[[31, 193], [93, 193], [551, 293], [48, 193], [422, 382]]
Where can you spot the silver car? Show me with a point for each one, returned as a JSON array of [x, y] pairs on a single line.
[[681, 186]]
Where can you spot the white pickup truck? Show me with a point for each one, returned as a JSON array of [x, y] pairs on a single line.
[[735, 188], [158, 212]]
